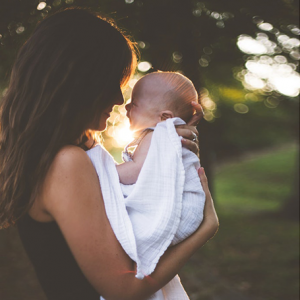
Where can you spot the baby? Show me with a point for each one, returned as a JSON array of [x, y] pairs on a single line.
[[156, 97], [160, 200]]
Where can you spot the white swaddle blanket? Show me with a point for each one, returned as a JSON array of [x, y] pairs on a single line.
[[164, 206]]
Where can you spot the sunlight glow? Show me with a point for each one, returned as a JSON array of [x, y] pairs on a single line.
[[132, 82], [122, 134]]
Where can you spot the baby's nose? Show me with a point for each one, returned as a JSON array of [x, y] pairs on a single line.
[[127, 107]]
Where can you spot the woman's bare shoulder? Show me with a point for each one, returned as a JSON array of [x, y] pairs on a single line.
[[70, 171], [70, 157], [71, 161]]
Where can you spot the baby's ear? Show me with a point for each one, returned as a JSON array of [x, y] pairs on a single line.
[[166, 114]]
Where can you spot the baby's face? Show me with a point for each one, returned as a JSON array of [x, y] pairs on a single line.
[[142, 111]]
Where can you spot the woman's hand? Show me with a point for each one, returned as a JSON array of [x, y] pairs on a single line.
[[189, 132], [210, 221], [198, 115]]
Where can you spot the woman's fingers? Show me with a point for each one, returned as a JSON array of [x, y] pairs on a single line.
[[198, 115], [210, 215], [187, 131], [204, 181], [189, 136], [191, 146]]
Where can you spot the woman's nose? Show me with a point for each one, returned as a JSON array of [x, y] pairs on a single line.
[[119, 99]]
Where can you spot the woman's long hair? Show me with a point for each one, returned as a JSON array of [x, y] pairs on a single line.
[[64, 76]]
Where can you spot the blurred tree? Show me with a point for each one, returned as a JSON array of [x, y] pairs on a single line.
[[290, 208], [198, 38]]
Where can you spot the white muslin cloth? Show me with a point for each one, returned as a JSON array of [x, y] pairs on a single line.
[[164, 206]]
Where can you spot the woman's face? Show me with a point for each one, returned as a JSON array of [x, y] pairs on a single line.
[[116, 99]]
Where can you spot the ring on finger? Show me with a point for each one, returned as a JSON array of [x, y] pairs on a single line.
[[195, 138]]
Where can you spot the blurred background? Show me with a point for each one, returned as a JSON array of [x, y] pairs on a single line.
[[243, 59]]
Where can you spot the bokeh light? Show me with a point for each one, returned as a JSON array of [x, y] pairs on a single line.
[[144, 66], [56, 2], [203, 62], [270, 66], [208, 104], [141, 44], [197, 12], [20, 29], [41, 5], [241, 108], [249, 45], [265, 26], [177, 57]]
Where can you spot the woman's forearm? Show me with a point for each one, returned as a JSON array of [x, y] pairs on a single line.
[[170, 264]]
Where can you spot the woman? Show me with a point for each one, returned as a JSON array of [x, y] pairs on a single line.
[[64, 83]]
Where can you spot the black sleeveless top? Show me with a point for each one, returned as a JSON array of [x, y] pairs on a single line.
[[55, 266]]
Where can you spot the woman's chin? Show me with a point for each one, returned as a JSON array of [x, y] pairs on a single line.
[[102, 126]]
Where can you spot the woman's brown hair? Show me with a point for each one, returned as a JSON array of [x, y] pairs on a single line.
[[64, 76]]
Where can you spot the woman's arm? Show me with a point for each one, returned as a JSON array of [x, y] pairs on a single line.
[[72, 196]]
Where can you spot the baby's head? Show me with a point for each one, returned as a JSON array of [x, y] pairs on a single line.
[[159, 96]]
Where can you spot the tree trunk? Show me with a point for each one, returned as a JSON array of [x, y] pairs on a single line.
[[191, 52], [290, 209]]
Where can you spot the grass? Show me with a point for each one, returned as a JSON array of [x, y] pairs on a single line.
[[257, 184], [255, 253]]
